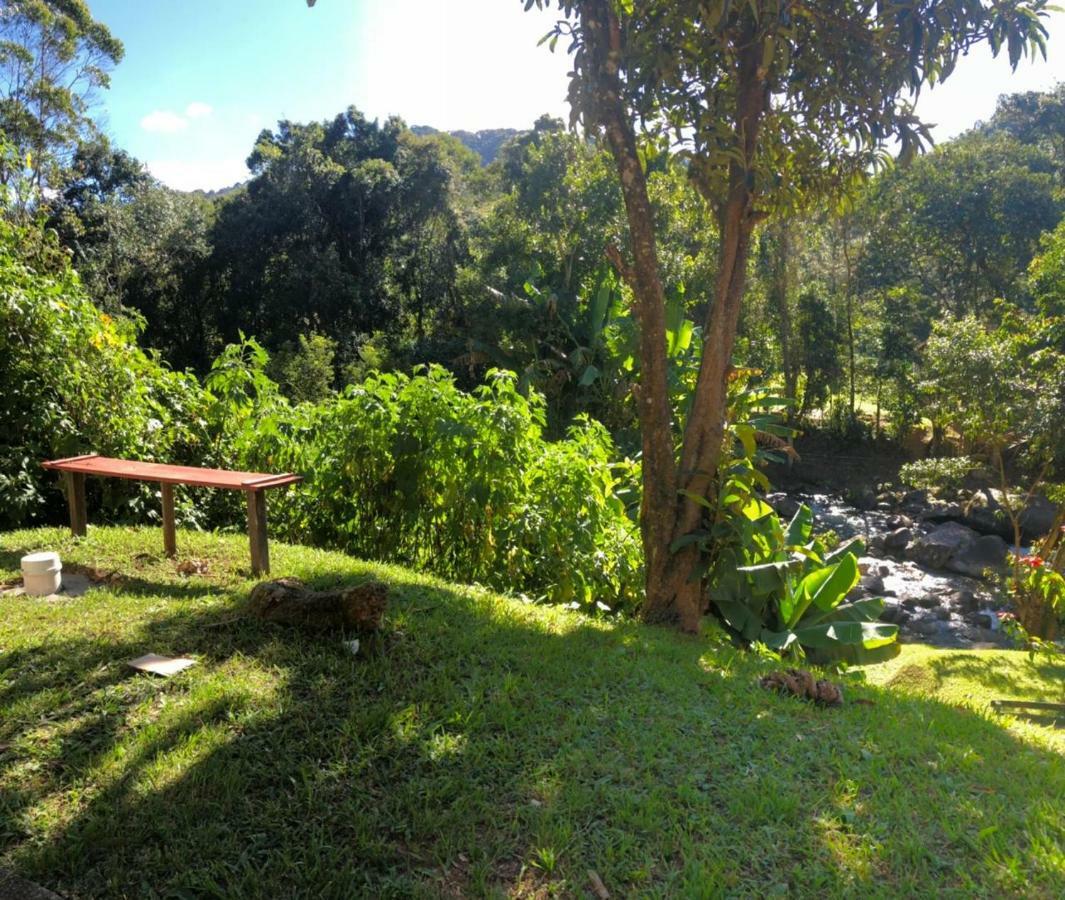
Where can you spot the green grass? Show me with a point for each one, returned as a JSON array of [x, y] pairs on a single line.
[[482, 746]]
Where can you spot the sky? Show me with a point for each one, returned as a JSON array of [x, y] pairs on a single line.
[[202, 78]]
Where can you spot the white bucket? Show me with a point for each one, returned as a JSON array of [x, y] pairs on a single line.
[[42, 573]]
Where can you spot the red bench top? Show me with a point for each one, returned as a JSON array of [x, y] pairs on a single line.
[[92, 464]]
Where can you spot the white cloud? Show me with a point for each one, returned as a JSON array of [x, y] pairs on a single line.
[[163, 121], [197, 110], [207, 175]]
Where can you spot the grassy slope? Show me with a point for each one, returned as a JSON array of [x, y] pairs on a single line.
[[483, 746]]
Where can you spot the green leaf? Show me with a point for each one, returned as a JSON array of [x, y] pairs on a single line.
[[589, 376], [800, 526], [823, 588], [746, 436], [868, 635], [756, 509]]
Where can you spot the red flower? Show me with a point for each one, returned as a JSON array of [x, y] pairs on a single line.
[[1034, 561]]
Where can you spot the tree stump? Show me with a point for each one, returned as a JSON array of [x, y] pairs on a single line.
[[289, 601]]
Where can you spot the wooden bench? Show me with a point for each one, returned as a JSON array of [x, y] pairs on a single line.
[[254, 485]]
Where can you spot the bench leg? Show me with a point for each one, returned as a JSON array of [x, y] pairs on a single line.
[[169, 524], [75, 487], [260, 552]]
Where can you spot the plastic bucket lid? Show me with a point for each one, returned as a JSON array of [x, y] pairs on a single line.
[[45, 561]]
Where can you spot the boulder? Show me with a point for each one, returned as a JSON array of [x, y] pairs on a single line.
[[925, 627], [898, 540], [964, 601], [894, 614], [864, 499], [872, 584], [915, 500], [985, 512], [986, 552], [942, 511], [940, 545], [784, 505], [1038, 517]]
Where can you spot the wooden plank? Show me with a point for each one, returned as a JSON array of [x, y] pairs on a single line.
[[55, 463], [169, 523], [270, 481], [75, 489], [136, 470], [260, 551]]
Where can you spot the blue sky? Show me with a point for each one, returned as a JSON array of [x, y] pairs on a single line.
[[201, 78]]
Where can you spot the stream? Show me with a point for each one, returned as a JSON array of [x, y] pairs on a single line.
[[928, 567]]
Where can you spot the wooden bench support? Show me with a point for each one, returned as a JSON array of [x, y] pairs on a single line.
[[254, 484], [169, 523], [260, 551], [75, 488]]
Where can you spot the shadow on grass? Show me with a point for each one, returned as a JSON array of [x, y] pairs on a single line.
[[470, 750], [103, 579]]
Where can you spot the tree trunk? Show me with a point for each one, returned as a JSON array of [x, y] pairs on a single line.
[[779, 290], [659, 473], [674, 584], [848, 297], [288, 601]]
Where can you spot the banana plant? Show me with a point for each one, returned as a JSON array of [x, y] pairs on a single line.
[[794, 597]]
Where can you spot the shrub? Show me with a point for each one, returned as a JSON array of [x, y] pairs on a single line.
[[937, 472], [74, 381], [304, 370], [412, 469], [774, 585]]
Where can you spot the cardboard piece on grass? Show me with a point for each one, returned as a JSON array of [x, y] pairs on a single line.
[[161, 665]]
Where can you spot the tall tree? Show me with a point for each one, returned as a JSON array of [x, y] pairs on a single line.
[[960, 224], [54, 57], [773, 102]]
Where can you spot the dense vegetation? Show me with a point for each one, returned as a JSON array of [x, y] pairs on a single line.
[[353, 311]]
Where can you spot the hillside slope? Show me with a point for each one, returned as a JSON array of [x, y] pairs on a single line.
[[482, 746]]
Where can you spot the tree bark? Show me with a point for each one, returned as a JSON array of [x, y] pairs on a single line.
[[288, 601], [673, 581], [659, 473], [779, 290], [704, 432]]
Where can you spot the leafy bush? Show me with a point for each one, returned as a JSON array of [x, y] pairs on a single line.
[[304, 370], [1037, 595], [937, 472], [779, 586], [74, 381], [773, 585], [411, 469]]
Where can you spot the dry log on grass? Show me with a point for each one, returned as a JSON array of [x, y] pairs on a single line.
[[289, 601]]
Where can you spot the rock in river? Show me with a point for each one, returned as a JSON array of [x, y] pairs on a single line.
[[986, 552], [941, 544]]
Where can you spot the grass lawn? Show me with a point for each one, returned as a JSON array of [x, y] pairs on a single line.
[[481, 746]]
